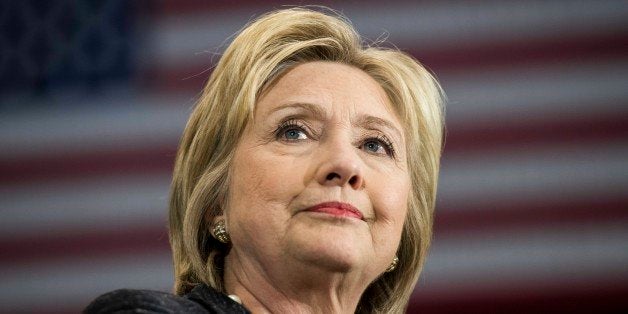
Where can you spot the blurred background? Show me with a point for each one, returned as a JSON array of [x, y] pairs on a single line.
[[533, 205]]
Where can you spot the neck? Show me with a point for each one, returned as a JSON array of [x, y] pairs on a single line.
[[290, 288]]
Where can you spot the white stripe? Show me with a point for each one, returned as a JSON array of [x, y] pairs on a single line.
[[570, 89], [96, 204], [570, 255], [193, 39], [534, 173], [66, 125], [478, 98], [79, 280]]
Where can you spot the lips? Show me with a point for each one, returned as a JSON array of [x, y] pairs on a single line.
[[336, 209]]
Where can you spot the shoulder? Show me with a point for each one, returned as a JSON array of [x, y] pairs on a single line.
[[214, 301], [202, 299], [142, 301]]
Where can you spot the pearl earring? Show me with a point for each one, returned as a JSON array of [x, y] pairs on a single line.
[[393, 265]]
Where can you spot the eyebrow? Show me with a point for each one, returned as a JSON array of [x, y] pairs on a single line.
[[368, 121], [314, 110]]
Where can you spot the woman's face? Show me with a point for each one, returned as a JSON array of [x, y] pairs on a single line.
[[320, 177]]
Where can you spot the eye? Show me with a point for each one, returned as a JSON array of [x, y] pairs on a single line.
[[294, 134], [291, 131], [373, 146], [378, 146]]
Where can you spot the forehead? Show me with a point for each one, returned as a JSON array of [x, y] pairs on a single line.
[[338, 88]]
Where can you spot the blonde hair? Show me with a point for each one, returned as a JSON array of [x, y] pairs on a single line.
[[262, 51]]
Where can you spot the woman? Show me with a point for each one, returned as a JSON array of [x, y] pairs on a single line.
[[306, 178]]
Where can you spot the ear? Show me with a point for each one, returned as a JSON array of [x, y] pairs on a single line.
[[213, 216]]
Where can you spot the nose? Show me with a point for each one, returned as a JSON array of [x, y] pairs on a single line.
[[340, 168]]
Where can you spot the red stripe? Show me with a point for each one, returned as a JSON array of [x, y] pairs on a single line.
[[175, 7], [91, 164], [504, 52], [547, 297], [175, 78], [473, 215], [501, 53], [67, 244], [519, 132]]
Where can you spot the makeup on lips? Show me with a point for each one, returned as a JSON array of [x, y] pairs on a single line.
[[336, 209]]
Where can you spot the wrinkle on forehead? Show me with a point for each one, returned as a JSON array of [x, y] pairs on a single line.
[[317, 83]]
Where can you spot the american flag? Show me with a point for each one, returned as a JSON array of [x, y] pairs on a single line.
[[532, 214]]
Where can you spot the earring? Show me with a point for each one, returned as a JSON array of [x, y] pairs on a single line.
[[220, 232], [393, 265]]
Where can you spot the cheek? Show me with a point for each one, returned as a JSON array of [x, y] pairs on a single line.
[[390, 200], [389, 190], [260, 178], [261, 189]]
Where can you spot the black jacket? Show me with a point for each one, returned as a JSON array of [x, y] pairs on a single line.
[[202, 299]]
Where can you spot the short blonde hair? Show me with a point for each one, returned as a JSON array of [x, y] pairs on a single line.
[[262, 51]]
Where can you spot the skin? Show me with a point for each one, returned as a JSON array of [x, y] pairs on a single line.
[[285, 259]]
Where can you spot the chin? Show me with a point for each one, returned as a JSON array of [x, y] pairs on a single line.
[[336, 247]]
